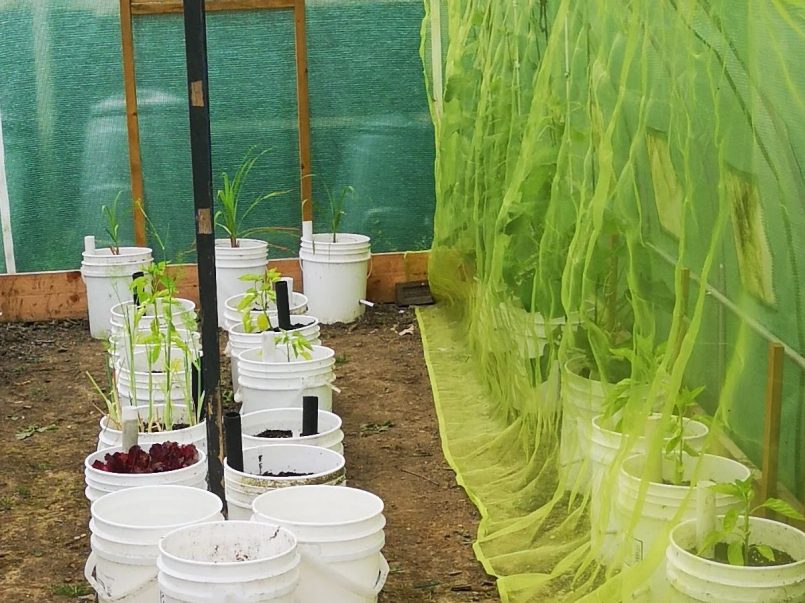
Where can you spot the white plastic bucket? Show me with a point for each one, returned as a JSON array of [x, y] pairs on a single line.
[[329, 436], [662, 502], [240, 341], [108, 279], [150, 384], [694, 579], [242, 487], [582, 399], [335, 274], [99, 483], [340, 535], [120, 350], [182, 315], [604, 449], [232, 316], [282, 384], [126, 529], [228, 562], [231, 263], [109, 437]]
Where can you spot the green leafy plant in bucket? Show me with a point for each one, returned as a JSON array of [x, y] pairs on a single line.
[[337, 203], [735, 530], [676, 447], [295, 344], [260, 297], [231, 218]]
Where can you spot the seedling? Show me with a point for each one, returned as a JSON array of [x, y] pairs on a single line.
[[261, 297], [230, 218], [112, 225], [676, 447], [295, 343], [337, 203], [26, 433], [735, 531]]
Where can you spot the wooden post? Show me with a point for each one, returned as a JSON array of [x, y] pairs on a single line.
[[201, 154], [303, 110], [771, 428], [133, 125]]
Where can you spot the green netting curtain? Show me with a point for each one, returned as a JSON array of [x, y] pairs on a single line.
[[620, 214]]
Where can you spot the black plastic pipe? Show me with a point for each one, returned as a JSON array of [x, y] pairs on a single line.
[[283, 305], [134, 293], [310, 415], [234, 440]]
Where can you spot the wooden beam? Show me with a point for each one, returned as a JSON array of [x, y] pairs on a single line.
[[38, 296], [771, 428], [133, 125], [303, 110], [163, 7]]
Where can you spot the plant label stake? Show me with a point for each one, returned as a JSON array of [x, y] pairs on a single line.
[[705, 515], [89, 244], [310, 415], [283, 305], [234, 440], [131, 427]]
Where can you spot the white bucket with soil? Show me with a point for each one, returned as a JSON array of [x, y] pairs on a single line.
[[298, 304], [290, 420], [228, 562], [231, 263], [340, 535], [280, 383], [151, 383], [122, 351], [662, 502], [582, 399], [694, 579], [110, 437], [99, 483], [107, 278], [335, 274], [286, 465], [126, 529], [606, 445], [240, 340]]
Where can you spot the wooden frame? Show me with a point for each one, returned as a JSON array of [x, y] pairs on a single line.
[[131, 8]]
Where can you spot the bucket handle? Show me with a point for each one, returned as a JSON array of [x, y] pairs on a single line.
[[344, 581], [89, 570]]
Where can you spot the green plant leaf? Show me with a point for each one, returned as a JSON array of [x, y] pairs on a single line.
[[766, 551], [735, 553], [730, 520], [781, 507], [262, 322]]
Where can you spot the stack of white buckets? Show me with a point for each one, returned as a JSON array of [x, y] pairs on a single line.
[[169, 542]]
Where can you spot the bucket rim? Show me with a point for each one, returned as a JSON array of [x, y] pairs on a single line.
[[341, 489], [327, 354], [277, 449], [238, 328], [288, 409], [100, 454]]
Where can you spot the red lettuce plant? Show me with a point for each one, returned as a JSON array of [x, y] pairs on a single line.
[[161, 457]]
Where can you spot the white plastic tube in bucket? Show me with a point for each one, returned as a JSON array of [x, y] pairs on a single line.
[[661, 502], [605, 447], [228, 562], [340, 535], [109, 437], [694, 579], [240, 340], [126, 529], [99, 483], [279, 383], [298, 305], [290, 419], [334, 275], [231, 263], [319, 466], [107, 278]]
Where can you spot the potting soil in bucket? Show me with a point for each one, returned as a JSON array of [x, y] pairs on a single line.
[[126, 529], [286, 427], [340, 535], [334, 275], [100, 482], [107, 277], [280, 383], [278, 466], [228, 562], [250, 257]]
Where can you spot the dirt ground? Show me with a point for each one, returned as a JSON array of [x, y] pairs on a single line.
[[49, 423]]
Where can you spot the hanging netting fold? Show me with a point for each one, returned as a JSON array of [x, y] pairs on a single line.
[[618, 237]]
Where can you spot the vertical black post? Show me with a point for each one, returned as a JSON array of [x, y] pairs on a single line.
[[283, 305], [136, 295], [234, 440], [195, 33], [310, 415]]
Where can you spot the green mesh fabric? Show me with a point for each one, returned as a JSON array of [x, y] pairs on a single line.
[[619, 198], [63, 112]]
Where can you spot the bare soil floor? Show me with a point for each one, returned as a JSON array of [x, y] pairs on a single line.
[[49, 423]]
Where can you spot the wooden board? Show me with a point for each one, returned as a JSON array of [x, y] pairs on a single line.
[[161, 7], [40, 296]]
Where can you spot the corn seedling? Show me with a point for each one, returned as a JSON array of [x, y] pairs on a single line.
[[112, 225], [337, 203]]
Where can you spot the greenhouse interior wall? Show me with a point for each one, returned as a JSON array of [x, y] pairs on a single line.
[[618, 179]]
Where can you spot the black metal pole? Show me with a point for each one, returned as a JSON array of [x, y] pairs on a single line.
[[195, 34], [234, 440], [283, 305], [310, 415]]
